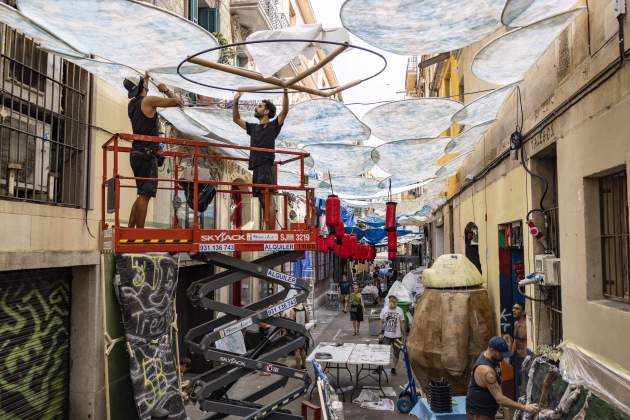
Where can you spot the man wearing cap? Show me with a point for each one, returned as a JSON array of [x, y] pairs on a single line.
[[484, 396], [144, 158], [262, 135]]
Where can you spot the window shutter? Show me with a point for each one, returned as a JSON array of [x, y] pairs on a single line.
[[193, 12], [209, 19]]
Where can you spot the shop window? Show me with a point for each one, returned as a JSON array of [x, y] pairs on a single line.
[[614, 235]]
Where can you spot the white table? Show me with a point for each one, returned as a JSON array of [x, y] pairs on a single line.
[[370, 357], [337, 361]]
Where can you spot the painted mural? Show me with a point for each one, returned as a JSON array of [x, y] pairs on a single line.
[[146, 288]]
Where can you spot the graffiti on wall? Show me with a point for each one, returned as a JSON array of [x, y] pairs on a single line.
[[34, 344], [146, 288]]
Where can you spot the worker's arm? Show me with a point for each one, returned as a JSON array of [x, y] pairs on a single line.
[[485, 376], [236, 115], [285, 108]]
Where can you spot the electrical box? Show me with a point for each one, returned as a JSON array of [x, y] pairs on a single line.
[[620, 7], [551, 272], [539, 262]]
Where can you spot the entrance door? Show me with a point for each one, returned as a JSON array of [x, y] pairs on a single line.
[[34, 343]]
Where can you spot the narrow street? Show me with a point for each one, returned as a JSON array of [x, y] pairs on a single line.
[[331, 326]]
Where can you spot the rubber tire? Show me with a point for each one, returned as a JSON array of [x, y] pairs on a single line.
[[404, 404]]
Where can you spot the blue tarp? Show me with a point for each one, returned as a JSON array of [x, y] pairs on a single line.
[[300, 266], [373, 236], [347, 216]]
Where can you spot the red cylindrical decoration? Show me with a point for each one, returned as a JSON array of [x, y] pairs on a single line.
[[345, 249], [333, 211], [339, 231], [331, 241], [392, 241], [353, 247], [372, 253], [391, 255], [390, 216]]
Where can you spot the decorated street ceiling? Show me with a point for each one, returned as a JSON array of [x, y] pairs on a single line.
[[341, 159], [415, 27], [110, 29], [485, 108], [467, 140], [322, 121], [406, 157], [507, 58], [422, 118], [524, 12]]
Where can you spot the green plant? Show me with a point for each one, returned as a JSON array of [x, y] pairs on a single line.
[[227, 54]]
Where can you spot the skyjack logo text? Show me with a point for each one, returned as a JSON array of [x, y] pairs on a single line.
[[222, 237]]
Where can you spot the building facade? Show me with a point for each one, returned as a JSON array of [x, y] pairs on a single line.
[[54, 282], [574, 100]]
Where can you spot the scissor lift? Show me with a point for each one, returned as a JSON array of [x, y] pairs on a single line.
[[211, 246]]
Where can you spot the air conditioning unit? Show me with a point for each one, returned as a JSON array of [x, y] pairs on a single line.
[[25, 146], [29, 74], [549, 266]]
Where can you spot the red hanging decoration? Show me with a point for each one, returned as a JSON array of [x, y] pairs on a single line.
[[333, 212], [353, 246], [391, 255], [372, 253], [339, 231], [390, 216], [331, 241], [345, 249], [392, 241], [322, 244]]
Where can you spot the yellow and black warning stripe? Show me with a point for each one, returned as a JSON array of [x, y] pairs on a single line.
[[154, 241]]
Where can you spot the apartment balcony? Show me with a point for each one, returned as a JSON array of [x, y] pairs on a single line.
[[258, 15]]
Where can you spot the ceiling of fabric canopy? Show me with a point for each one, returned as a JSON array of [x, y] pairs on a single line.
[[270, 57], [485, 108], [507, 58], [322, 121], [341, 159], [524, 12], [354, 186], [404, 157], [183, 123], [467, 140], [422, 118], [110, 29], [23, 24], [452, 166], [415, 27], [220, 125]]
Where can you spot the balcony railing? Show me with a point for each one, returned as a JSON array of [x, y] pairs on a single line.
[[276, 17]]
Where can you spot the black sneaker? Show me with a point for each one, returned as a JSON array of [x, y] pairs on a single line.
[[393, 371]]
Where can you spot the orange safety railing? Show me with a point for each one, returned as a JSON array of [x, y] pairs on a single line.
[[294, 236]]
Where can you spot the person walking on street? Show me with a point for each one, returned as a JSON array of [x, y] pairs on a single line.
[[484, 396], [357, 307], [144, 157], [344, 291], [393, 328]]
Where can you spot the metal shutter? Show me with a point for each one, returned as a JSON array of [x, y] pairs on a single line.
[[34, 344]]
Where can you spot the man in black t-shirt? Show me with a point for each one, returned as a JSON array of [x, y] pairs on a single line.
[[262, 135]]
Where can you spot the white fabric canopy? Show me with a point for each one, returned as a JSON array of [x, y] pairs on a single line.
[[270, 57], [415, 158], [524, 12], [466, 141], [507, 58], [341, 159], [422, 118], [485, 108], [322, 121], [415, 27]]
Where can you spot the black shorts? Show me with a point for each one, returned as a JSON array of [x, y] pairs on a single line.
[[358, 315], [263, 174], [144, 164], [392, 342]]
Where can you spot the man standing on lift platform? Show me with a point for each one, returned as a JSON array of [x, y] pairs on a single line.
[[142, 111], [262, 135]]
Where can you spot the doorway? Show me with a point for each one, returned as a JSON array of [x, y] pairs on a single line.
[[511, 271], [471, 239]]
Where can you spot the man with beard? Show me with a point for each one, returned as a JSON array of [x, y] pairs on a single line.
[[484, 396], [262, 135]]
